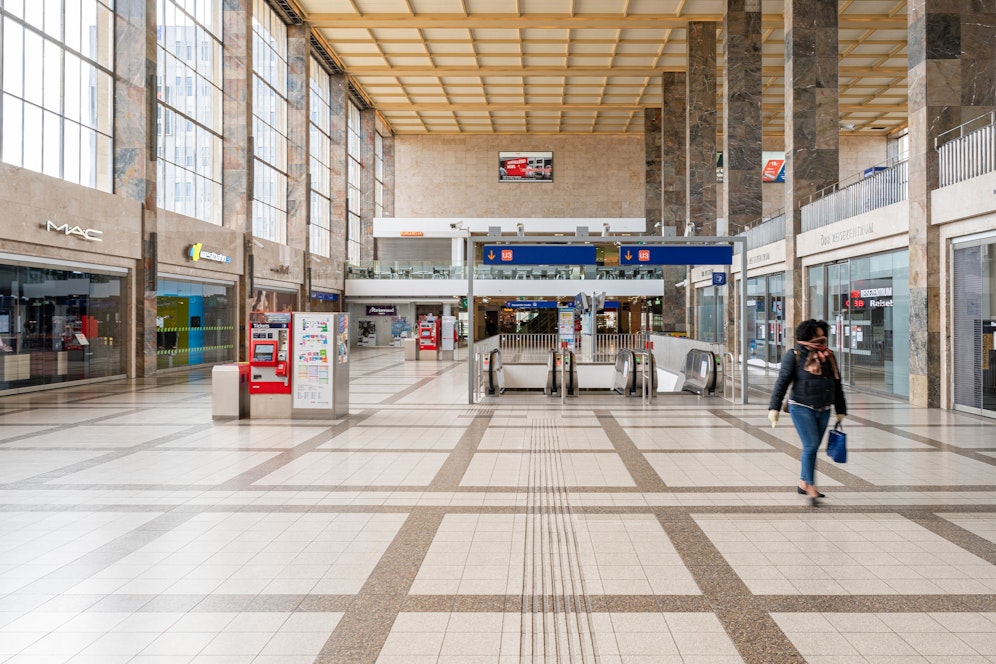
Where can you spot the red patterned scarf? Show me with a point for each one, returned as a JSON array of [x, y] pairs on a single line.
[[818, 354]]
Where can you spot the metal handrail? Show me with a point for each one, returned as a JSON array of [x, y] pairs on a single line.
[[874, 188]]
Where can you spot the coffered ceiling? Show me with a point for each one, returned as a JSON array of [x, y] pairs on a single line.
[[580, 66]]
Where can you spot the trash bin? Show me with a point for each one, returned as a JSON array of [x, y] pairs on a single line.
[[230, 391]]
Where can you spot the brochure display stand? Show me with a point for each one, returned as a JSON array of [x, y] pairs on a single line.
[[320, 351]]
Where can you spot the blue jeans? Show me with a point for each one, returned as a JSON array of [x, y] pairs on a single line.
[[810, 425]]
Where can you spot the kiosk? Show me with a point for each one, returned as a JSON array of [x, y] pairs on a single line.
[[269, 364], [429, 331]]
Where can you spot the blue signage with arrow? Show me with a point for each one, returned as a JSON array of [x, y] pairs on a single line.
[[694, 254], [539, 254]]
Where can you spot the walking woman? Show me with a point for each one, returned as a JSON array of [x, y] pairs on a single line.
[[810, 368]]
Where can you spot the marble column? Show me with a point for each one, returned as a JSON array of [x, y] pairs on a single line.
[[701, 126], [135, 157], [338, 118], [653, 154], [368, 123], [236, 195], [742, 115], [742, 133], [812, 134], [389, 161], [298, 135], [674, 179], [952, 79]]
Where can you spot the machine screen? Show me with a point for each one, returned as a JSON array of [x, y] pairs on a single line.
[[263, 353]]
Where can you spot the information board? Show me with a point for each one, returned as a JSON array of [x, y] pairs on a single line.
[[313, 347]]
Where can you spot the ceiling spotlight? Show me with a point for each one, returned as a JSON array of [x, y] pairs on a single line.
[[848, 126]]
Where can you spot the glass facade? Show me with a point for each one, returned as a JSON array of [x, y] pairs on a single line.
[[269, 123], [59, 325], [866, 303], [195, 323], [974, 325], [321, 161], [354, 144], [765, 318], [58, 89], [189, 108]]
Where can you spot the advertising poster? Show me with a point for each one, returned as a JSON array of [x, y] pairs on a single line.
[[525, 166], [312, 352], [565, 326]]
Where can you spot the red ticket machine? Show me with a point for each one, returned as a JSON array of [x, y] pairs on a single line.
[[269, 358], [428, 332]]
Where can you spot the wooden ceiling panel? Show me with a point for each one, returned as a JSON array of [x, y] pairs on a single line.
[[587, 66]]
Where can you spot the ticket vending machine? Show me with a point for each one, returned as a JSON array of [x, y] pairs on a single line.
[[270, 365], [429, 328]]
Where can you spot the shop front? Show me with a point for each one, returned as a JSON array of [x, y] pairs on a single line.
[[67, 260], [865, 301], [199, 269], [766, 318]]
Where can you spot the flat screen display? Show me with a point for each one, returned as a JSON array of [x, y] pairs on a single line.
[[263, 353], [525, 167]]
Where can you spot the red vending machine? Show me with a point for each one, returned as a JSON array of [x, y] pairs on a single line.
[[269, 358], [428, 332]]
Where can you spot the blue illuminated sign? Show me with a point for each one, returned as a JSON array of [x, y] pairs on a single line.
[[539, 254], [694, 254]]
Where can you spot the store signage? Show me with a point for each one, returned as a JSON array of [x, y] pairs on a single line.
[[281, 269], [412, 234], [382, 310], [324, 297], [80, 232], [866, 298], [196, 252]]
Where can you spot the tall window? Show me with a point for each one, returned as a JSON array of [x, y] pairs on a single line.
[[378, 175], [321, 150], [354, 144], [189, 108], [269, 110], [58, 89]]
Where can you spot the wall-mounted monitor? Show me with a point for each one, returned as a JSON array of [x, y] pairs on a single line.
[[525, 167]]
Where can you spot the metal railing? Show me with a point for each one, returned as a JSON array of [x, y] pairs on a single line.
[[873, 188], [767, 230], [428, 270], [535, 347], [730, 377], [481, 353], [968, 150]]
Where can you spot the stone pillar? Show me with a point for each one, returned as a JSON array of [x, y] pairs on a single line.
[[337, 162], [701, 126], [742, 135], [135, 109], [652, 150], [952, 79], [368, 123], [298, 135], [388, 142], [674, 178], [812, 134], [742, 119], [236, 188]]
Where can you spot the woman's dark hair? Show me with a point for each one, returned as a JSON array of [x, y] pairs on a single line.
[[809, 329]]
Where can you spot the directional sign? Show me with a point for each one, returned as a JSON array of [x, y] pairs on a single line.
[[531, 304], [718, 278], [694, 254], [539, 254]]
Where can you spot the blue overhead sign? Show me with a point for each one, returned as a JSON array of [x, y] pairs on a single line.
[[531, 304], [539, 254], [670, 254]]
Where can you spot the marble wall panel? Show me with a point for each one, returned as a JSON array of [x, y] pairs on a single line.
[[237, 106], [337, 162], [367, 183], [298, 134]]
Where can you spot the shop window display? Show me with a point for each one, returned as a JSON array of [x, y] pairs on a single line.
[[194, 324], [59, 325]]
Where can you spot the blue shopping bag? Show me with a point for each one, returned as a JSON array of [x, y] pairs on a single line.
[[837, 444]]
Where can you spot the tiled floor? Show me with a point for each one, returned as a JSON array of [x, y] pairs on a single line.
[[421, 529]]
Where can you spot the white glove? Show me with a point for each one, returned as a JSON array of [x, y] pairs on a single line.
[[840, 418], [773, 416]]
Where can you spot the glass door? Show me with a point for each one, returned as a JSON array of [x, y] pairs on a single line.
[[974, 328], [840, 336]]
